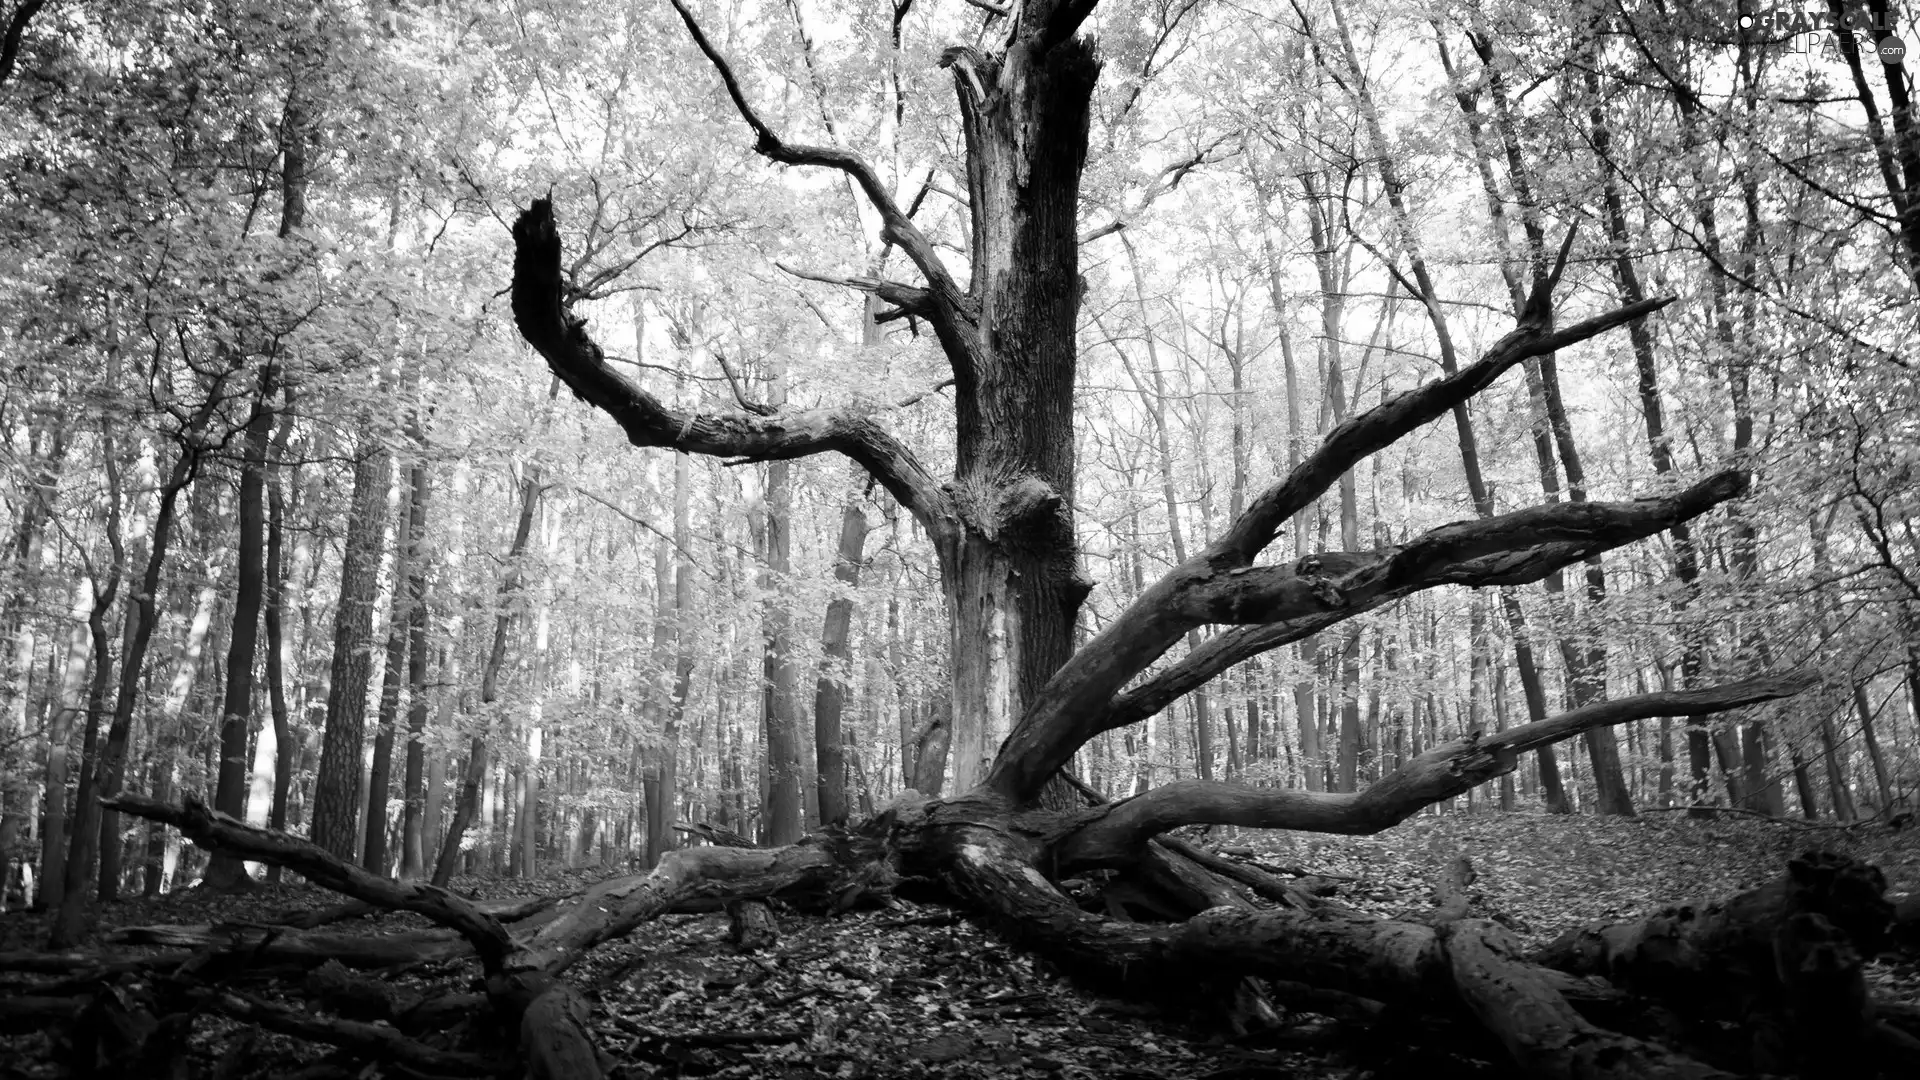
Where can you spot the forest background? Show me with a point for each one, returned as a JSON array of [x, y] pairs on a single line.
[[295, 519]]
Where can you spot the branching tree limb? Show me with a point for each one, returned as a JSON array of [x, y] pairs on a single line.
[[1115, 833], [216, 831], [948, 309], [1605, 525], [562, 340], [1068, 709]]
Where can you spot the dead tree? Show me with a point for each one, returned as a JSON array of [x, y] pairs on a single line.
[[1003, 532]]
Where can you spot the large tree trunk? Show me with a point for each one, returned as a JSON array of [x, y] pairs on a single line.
[[672, 646], [274, 620], [1009, 561], [393, 675], [68, 707]]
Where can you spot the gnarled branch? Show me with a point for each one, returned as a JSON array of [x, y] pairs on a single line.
[[948, 308], [217, 831], [1068, 710], [561, 338], [1326, 600], [1117, 834]]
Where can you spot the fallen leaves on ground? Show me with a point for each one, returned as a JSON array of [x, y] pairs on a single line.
[[921, 993]]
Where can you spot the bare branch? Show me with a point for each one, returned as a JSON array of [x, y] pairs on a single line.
[[216, 831], [897, 227], [561, 338], [1382, 426], [1163, 185], [1508, 549], [906, 299], [1323, 590], [739, 395], [1067, 710], [1446, 770]]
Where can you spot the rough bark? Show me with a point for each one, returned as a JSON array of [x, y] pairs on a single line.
[[1113, 835], [413, 831], [336, 790], [236, 710], [830, 694]]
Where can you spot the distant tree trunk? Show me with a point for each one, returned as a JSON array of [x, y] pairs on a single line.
[[1883, 784], [467, 804], [1585, 665], [830, 694], [274, 620], [335, 805], [72, 705], [677, 642], [97, 830], [780, 689], [1333, 271], [1154, 397], [393, 676], [413, 823], [1532, 687], [226, 872]]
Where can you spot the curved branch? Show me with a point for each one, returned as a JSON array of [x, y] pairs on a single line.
[[1386, 423], [214, 830], [1117, 836], [561, 338], [1509, 549], [1084, 698], [897, 228], [1322, 601], [16, 30]]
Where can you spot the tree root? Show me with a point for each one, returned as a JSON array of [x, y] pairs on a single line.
[[1802, 936]]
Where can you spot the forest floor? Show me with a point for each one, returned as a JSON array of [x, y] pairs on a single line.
[[920, 993]]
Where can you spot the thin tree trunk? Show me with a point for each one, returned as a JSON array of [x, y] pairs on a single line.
[[413, 791], [335, 804], [830, 693], [1882, 782], [97, 830], [393, 675], [225, 872], [1531, 684], [1586, 666], [511, 582], [274, 623], [71, 705]]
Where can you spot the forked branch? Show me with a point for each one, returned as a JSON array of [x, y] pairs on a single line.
[[948, 307], [561, 338], [1117, 836], [1538, 541], [1067, 711], [216, 831]]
